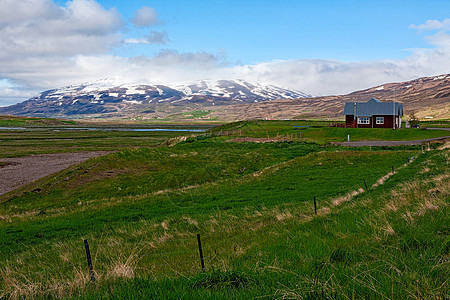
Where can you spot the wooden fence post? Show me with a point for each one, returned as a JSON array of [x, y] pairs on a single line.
[[89, 261], [201, 252], [315, 206]]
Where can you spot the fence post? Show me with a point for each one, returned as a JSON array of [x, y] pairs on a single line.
[[201, 252], [366, 185], [89, 261], [315, 206]]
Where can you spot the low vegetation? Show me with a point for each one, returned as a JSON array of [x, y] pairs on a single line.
[[104, 137], [6, 121], [379, 229]]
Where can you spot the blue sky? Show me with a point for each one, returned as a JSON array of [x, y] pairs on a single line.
[[319, 47], [250, 32]]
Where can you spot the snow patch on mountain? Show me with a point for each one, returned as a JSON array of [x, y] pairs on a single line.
[[110, 95]]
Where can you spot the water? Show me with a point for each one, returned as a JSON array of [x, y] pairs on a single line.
[[110, 129], [133, 129]]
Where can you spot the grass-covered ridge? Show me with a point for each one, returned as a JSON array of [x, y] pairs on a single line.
[[252, 203]]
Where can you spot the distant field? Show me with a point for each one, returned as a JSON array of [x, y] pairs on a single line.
[[321, 132], [438, 123], [53, 140], [40, 139], [25, 121], [376, 233]]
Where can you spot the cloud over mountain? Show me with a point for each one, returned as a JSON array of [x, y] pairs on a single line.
[[44, 45]]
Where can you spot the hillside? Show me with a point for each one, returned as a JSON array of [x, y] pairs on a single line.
[[379, 228], [427, 97]]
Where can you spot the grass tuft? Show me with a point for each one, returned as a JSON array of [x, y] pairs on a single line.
[[222, 280]]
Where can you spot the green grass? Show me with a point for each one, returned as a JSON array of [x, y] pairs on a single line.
[[390, 243], [11, 121], [196, 114], [252, 203], [435, 124], [44, 140], [319, 132]]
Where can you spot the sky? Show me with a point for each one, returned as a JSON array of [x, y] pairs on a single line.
[[319, 47]]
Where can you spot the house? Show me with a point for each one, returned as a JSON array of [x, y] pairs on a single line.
[[373, 114]]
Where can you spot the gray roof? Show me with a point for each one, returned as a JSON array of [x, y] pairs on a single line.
[[373, 107]]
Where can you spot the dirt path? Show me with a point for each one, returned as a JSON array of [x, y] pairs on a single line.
[[18, 171]]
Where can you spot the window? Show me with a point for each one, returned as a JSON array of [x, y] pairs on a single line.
[[363, 121], [380, 120]]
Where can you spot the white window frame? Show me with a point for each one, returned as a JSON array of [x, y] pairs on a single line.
[[363, 120], [379, 120]]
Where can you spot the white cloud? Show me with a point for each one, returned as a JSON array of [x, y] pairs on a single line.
[[13, 11], [145, 16], [326, 77], [154, 38], [433, 25], [40, 28], [59, 46], [11, 93]]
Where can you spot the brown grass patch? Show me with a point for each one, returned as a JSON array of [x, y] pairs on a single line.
[[124, 269], [285, 215]]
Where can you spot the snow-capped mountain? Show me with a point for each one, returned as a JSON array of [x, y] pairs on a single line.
[[108, 97]]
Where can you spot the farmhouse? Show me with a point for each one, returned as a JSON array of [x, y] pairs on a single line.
[[373, 114]]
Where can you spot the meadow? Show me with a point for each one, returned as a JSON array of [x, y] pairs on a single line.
[[379, 229]]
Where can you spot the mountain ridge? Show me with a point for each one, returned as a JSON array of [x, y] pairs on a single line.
[[106, 97], [226, 100]]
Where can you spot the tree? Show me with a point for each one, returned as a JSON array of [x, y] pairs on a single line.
[[413, 121]]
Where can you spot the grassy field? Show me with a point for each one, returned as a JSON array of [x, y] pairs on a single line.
[[320, 132], [7, 121], [19, 143], [50, 139], [436, 123], [142, 208]]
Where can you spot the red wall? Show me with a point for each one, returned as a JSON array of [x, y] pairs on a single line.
[[388, 122], [349, 120]]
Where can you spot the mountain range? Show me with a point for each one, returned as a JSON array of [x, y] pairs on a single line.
[[106, 98], [226, 100]]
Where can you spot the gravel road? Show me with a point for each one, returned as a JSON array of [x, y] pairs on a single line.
[[19, 171]]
